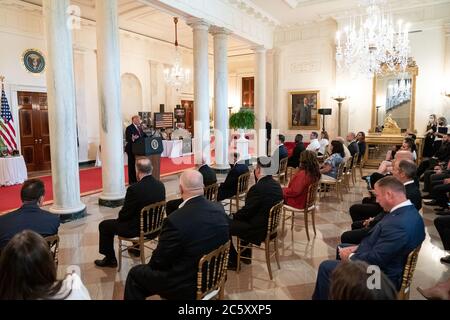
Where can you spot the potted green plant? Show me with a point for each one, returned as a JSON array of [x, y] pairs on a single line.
[[244, 119]]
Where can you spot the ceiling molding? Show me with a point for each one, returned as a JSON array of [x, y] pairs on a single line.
[[253, 10]]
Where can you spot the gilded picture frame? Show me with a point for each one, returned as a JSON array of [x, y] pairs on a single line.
[[303, 110]]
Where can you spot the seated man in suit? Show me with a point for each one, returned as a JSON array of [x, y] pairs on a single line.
[[442, 225], [281, 148], [352, 143], [209, 178], [389, 243], [30, 216], [250, 222], [294, 160], [405, 172], [195, 229], [228, 188], [147, 191], [440, 198]]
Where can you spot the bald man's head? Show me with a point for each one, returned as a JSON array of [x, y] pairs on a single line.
[[191, 184]]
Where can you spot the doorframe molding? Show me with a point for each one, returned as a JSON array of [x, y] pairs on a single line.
[[14, 89]]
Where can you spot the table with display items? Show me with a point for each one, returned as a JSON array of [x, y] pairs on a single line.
[[12, 171], [172, 148]]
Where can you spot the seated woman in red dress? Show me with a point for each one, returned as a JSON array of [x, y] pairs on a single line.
[[295, 194]]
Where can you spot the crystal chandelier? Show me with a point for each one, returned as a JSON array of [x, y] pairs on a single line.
[[177, 76], [371, 43]]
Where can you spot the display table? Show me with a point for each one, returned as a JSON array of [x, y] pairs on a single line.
[[172, 149], [12, 171], [378, 144]]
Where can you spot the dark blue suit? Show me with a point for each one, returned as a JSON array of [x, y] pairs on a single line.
[[282, 153], [197, 228], [387, 246], [28, 217], [129, 132], [228, 188]]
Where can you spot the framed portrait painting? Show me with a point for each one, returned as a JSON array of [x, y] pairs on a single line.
[[303, 110]]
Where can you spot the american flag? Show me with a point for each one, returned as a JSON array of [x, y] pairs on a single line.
[[7, 132], [163, 120]]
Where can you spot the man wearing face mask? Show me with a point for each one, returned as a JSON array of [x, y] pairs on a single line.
[[250, 222]]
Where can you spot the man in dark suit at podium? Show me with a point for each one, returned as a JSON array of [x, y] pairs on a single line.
[[132, 133]]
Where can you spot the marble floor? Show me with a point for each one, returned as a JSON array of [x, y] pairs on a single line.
[[299, 258]]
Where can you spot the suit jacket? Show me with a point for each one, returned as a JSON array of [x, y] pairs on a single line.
[[190, 232], [294, 160], [209, 175], [362, 149], [228, 188], [305, 114], [282, 152], [353, 147], [129, 132], [260, 199], [139, 195], [414, 195], [295, 194], [390, 242], [443, 154], [28, 217], [268, 130]]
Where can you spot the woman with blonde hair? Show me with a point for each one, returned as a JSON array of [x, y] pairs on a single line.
[[295, 194]]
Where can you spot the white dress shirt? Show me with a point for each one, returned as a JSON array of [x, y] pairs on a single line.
[[313, 145]]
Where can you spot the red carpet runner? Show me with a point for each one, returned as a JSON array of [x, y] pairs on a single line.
[[90, 182]]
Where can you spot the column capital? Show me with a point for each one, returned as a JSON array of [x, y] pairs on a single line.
[[217, 31], [259, 49], [197, 24]]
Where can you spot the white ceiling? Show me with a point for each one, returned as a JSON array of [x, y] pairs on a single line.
[[294, 12], [145, 20]]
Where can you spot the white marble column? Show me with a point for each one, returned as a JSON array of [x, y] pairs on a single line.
[[260, 99], [61, 110], [108, 82], [201, 141], [221, 97], [276, 89]]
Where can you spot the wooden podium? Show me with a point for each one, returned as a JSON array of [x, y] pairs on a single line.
[[151, 148]]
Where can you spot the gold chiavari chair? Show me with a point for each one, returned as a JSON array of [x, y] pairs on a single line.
[[408, 272], [151, 221], [310, 209], [212, 273], [211, 191], [271, 238], [53, 244]]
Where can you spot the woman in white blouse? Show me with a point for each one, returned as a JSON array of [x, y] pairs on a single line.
[[28, 272], [324, 142]]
